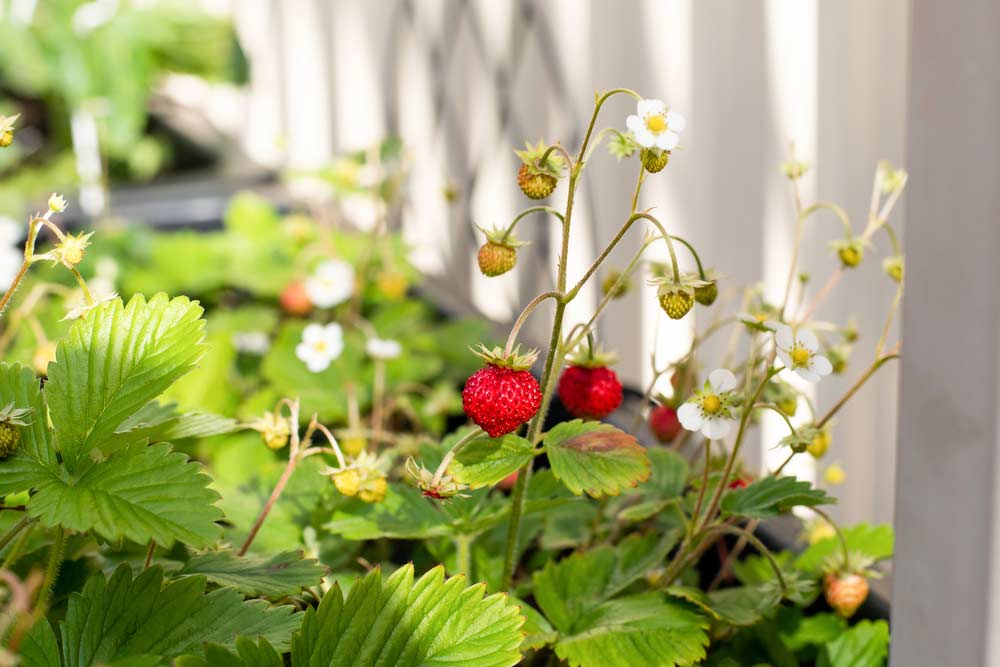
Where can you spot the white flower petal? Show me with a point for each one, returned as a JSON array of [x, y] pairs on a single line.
[[716, 429], [667, 140], [644, 137], [784, 337], [807, 375], [676, 121], [689, 416], [808, 340], [785, 359], [820, 365], [722, 380], [313, 332], [318, 364], [333, 331], [634, 123], [651, 107]]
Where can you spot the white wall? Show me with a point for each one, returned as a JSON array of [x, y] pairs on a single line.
[[465, 81]]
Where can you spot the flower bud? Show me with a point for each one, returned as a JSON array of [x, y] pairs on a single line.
[[611, 285], [57, 203]]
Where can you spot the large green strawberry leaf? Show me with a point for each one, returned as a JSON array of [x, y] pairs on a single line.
[[404, 514], [248, 654], [35, 461], [874, 542], [595, 458], [115, 361], [864, 645], [161, 422], [113, 619], [648, 629], [286, 573], [141, 493], [570, 589], [39, 648], [399, 621], [486, 461], [770, 496]]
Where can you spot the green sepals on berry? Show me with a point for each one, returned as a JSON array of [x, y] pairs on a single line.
[[801, 440], [793, 170], [654, 159], [499, 254], [536, 179], [622, 145], [677, 297], [515, 360], [588, 355], [11, 419], [850, 251]]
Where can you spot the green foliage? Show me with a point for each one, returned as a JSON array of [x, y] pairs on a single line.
[[874, 542], [35, 461], [286, 573], [770, 496], [116, 618], [248, 654], [399, 621], [113, 363], [595, 458], [864, 645], [486, 461], [141, 493]]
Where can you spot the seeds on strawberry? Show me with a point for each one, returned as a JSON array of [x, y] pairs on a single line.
[[590, 393], [664, 424], [676, 304], [496, 259], [535, 185], [500, 399], [654, 160], [845, 592], [10, 438]]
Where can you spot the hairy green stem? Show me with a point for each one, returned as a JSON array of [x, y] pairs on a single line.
[[52, 569]]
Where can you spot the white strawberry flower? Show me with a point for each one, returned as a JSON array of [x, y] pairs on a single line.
[[798, 351], [331, 284], [320, 345], [655, 127], [378, 348], [713, 409]]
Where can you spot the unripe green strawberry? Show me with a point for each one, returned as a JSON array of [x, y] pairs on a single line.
[[535, 186], [496, 258], [7, 130], [7, 138], [893, 267], [611, 285], [706, 294], [820, 443], [850, 251], [653, 160], [10, 438], [676, 304]]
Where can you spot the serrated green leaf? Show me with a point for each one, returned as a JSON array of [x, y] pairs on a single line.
[[770, 496], [158, 422], [538, 632], [875, 542], [399, 621], [39, 647], [595, 458], [140, 493], [248, 654], [113, 619], [647, 629], [669, 474], [404, 514], [35, 461], [569, 589], [487, 461], [756, 569], [800, 631], [864, 645], [285, 573], [114, 362]]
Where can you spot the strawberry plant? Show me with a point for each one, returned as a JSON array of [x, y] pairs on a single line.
[[331, 518]]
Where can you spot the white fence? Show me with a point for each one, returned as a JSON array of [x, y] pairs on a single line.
[[463, 81]]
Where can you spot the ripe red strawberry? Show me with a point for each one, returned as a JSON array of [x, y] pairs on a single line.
[[503, 394], [590, 393], [508, 482], [738, 483], [664, 424], [294, 299], [845, 592]]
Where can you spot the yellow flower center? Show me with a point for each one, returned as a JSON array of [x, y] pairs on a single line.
[[656, 123], [761, 317], [800, 356], [711, 404], [320, 346]]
